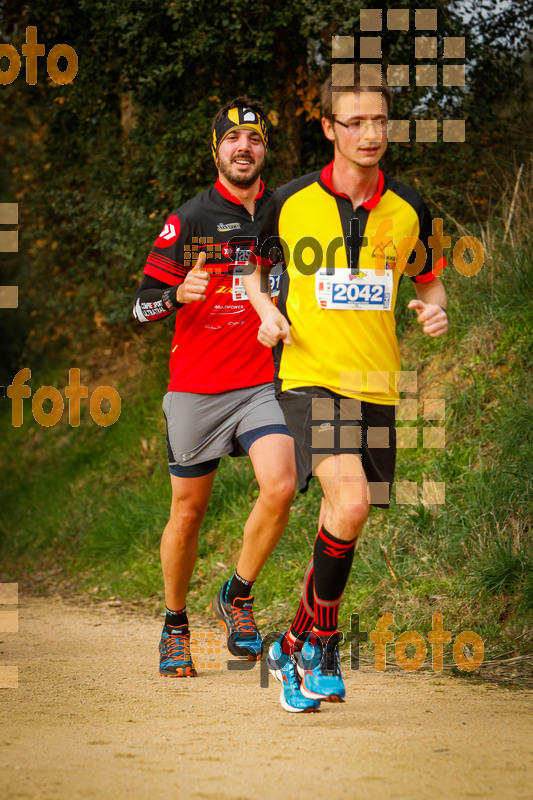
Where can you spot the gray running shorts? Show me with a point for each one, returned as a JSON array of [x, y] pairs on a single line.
[[201, 428]]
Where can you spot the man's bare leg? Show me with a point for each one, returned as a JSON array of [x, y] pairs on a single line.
[[272, 458], [346, 510], [179, 547], [345, 505], [179, 543]]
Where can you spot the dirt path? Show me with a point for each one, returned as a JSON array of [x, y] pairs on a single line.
[[92, 719]]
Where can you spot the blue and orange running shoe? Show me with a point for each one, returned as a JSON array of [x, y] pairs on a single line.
[[175, 656], [283, 668], [237, 618], [319, 668]]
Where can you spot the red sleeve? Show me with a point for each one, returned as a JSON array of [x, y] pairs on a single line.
[[435, 272], [165, 259], [433, 267]]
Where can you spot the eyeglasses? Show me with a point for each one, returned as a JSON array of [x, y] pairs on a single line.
[[354, 128]]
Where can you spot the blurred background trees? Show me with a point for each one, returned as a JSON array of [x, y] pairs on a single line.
[[96, 164]]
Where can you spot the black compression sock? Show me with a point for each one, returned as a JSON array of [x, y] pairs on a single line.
[[332, 559], [237, 587], [176, 622]]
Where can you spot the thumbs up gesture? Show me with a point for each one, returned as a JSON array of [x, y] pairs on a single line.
[[431, 316], [194, 286]]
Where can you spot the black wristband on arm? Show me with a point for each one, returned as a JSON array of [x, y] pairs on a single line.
[[155, 300], [169, 300], [445, 311]]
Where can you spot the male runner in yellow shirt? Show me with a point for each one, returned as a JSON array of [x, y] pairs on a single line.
[[345, 235]]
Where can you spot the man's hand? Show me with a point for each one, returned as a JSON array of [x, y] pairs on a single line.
[[273, 328], [431, 316], [195, 284]]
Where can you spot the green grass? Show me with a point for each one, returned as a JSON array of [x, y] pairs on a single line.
[[91, 502], [500, 569]]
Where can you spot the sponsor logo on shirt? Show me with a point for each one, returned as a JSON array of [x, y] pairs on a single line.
[[228, 309], [170, 232], [386, 252], [242, 254], [237, 251], [228, 226]]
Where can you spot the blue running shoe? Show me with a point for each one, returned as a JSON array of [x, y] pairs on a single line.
[[243, 638], [175, 656], [283, 668], [319, 669]]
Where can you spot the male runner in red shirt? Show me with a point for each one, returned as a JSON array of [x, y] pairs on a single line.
[[220, 397]]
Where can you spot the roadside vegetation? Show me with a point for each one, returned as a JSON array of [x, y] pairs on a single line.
[[83, 508]]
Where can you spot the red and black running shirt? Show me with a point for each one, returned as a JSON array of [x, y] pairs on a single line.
[[215, 347]]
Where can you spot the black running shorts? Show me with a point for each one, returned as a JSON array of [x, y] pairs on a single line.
[[324, 423]]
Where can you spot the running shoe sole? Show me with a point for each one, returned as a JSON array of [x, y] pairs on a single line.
[[181, 672], [327, 698]]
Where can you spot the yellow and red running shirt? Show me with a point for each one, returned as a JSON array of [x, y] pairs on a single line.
[[340, 281]]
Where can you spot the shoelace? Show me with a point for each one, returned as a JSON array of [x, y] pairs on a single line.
[[292, 674], [244, 620], [330, 660], [179, 647]]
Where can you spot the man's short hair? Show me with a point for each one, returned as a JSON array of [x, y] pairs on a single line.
[[240, 102], [327, 89]]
